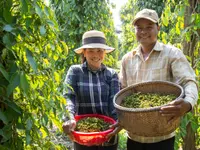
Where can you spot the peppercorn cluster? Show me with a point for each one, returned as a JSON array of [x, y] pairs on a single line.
[[92, 124], [140, 100]]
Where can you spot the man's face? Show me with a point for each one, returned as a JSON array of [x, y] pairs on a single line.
[[146, 31]]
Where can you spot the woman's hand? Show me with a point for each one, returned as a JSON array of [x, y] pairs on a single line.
[[68, 127], [175, 109], [115, 131]]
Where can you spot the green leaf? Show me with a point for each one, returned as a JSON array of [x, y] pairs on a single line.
[[50, 23], [192, 18], [3, 147], [4, 73], [7, 40], [13, 67], [7, 15], [24, 6], [42, 30], [6, 132], [14, 107], [44, 132], [38, 10], [28, 22], [178, 28], [29, 124], [9, 3], [28, 138], [181, 11], [45, 119], [14, 82], [11, 114], [183, 132], [23, 82], [3, 117], [4, 53], [197, 34], [46, 11], [194, 125], [31, 59], [188, 36], [56, 123], [20, 126], [8, 28], [65, 47], [77, 17], [188, 58], [93, 5]]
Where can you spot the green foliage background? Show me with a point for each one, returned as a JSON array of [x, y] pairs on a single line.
[[75, 17], [36, 48]]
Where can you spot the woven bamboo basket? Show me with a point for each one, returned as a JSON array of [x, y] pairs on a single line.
[[147, 121]]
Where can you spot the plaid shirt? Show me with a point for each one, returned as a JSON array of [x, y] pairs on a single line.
[[90, 92], [165, 63]]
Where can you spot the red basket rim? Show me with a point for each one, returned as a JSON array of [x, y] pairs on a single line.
[[98, 116]]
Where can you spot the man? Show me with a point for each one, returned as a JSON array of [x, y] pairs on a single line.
[[151, 61]]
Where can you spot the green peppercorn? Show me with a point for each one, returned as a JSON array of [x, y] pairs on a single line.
[[91, 124], [139, 100]]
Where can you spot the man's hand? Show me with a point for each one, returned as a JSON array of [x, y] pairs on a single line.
[[68, 127], [175, 109], [115, 131]]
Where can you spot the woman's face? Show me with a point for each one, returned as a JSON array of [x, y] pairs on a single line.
[[94, 57]]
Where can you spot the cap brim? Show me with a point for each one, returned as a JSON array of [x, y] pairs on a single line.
[[107, 48], [136, 19]]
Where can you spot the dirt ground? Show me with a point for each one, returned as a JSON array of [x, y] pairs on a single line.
[[61, 139]]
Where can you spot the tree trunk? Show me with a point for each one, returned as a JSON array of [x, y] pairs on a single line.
[[1, 98], [189, 140], [188, 49]]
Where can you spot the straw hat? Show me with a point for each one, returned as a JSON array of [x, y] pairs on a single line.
[[94, 39], [148, 14]]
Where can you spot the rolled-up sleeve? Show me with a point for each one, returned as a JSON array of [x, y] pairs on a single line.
[[185, 76]]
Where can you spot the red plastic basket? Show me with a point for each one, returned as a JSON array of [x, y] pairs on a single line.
[[92, 138]]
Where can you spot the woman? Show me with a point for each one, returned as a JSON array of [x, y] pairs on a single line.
[[93, 86]]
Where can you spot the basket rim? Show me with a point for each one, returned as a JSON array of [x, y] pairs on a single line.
[[156, 108]]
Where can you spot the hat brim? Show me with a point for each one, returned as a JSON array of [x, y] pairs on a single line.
[[107, 48], [136, 19]]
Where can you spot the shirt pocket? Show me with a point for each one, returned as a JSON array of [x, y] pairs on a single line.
[[159, 74]]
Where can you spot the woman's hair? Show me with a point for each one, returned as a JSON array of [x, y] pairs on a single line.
[[83, 59]]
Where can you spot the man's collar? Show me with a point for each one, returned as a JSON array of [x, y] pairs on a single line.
[[157, 47]]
